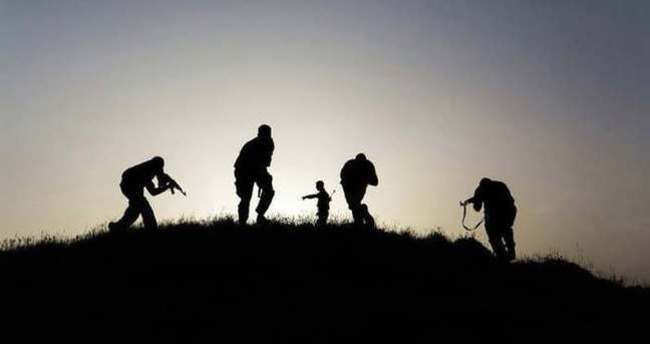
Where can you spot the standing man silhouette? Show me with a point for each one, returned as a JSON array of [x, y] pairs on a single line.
[[134, 180], [323, 204], [356, 175], [500, 212], [250, 169]]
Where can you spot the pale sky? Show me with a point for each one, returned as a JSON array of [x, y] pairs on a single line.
[[551, 97]]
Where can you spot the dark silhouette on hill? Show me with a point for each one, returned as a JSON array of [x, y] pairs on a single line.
[[323, 204], [221, 282], [356, 175], [500, 212], [134, 180], [250, 169]]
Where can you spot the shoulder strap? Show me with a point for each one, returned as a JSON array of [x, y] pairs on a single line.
[[465, 216]]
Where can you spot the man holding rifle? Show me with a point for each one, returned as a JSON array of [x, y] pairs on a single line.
[[134, 180]]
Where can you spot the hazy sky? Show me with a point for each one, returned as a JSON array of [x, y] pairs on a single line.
[[552, 97]]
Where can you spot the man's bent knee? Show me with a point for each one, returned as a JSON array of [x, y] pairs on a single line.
[[244, 192], [268, 191]]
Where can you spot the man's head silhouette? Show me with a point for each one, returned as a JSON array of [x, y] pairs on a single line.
[[158, 162], [485, 181], [320, 185], [361, 157], [264, 131]]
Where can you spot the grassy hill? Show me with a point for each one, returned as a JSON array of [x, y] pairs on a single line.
[[286, 282]]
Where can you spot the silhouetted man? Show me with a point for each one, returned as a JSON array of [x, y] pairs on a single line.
[[250, 169], [356, 175], [323, 204], [134, 180], [500, 212]]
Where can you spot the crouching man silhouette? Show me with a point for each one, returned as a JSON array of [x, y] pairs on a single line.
[[134, 180]]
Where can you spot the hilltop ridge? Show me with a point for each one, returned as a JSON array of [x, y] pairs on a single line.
[[290, 282]]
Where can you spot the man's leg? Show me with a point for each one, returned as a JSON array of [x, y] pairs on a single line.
[[508, 233], [363, 215], [509, 238], [354, 204], [148, 217], [496, 241], [265, 183], [243, 208], [322, 218], [132, 210], [244, 187], [130, 215], [368, 219]]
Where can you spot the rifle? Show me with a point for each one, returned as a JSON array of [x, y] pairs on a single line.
[[173, 185]]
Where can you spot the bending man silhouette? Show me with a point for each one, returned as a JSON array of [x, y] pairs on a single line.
[[500, 212], [250, 169], [134, 180], [356, 175]]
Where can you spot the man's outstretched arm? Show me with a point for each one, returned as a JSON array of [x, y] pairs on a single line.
[[310, 196]]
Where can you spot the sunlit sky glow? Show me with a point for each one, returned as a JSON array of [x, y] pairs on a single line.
[[551, 97]]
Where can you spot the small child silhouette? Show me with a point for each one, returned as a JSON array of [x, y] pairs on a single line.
[[323, 203]]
